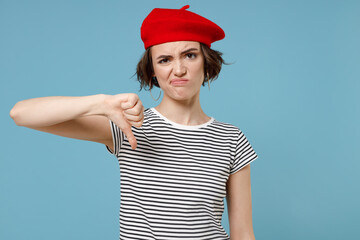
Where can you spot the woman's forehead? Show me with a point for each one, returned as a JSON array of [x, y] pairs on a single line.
[[174, 47]]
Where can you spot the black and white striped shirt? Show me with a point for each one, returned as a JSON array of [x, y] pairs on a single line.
[[174, 183]]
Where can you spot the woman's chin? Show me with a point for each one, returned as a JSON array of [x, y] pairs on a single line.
[[180, 94], [183, 97]]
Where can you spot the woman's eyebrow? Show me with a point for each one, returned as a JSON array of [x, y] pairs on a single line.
[[183, 52], [189, 50]]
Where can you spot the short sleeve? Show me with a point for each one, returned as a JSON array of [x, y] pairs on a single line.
[[244, 154], [117, 136]]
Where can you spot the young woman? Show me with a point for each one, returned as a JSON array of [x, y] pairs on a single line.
[[177, 164]]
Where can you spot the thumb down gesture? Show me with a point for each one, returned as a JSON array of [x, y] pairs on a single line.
[[126, 110]]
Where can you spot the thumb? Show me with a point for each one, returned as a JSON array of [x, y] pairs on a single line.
[[130, 136], [129, 103]]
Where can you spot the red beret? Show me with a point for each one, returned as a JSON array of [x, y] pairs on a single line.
[[169, 25]]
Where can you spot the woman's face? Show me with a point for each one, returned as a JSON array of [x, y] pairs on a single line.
[[179, 69]]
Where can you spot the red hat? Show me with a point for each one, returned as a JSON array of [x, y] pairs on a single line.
[[169, 25]]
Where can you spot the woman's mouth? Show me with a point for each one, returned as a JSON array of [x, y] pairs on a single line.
[[179, 82]]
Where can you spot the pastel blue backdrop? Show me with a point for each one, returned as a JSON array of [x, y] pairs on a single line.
[[293, 89]]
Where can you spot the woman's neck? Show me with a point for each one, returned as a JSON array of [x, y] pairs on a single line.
[[187, 112]]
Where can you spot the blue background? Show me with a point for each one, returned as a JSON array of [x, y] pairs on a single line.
[[293, 89]]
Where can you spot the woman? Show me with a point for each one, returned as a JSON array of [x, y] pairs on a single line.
[[177, 164]]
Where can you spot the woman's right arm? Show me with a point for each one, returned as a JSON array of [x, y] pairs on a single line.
[[85, 117]]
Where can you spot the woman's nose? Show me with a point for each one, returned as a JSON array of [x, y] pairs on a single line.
[[179, 68]]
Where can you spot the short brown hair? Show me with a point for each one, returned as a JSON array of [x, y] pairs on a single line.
[[212, 65]]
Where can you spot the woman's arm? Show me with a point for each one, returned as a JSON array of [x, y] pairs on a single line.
[[238, 199], [47, 111], [85, 118]]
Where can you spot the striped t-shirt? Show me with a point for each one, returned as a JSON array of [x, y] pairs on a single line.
[[174, 183]]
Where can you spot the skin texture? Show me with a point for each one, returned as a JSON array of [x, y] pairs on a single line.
[[238, 199], [85, 118], [180, 60], [176, 60]]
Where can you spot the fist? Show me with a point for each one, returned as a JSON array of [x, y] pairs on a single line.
[[126, 110]]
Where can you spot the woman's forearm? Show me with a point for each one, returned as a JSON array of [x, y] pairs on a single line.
[[46, 111]]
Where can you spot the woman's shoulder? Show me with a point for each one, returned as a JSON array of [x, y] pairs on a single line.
[[225, 126], [149, 112]]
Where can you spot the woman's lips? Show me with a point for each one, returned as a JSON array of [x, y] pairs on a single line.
[[179, 82]]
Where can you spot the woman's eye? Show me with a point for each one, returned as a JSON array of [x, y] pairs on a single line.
[[191, 55], [165, 60]]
